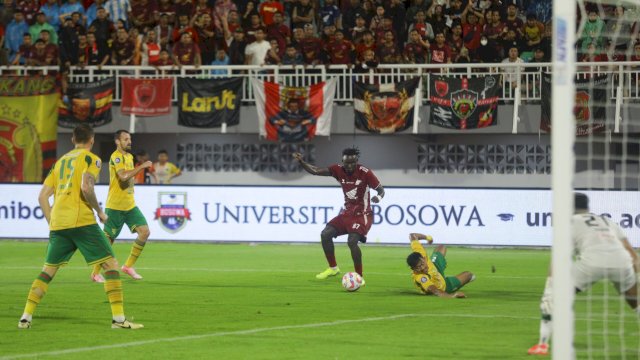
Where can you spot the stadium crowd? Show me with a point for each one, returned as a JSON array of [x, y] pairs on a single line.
[[224, 32]]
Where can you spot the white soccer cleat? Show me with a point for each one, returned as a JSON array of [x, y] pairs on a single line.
[[24, 324], [125, 325]]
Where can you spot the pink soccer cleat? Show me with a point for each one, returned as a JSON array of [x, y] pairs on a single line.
[[97, 278], [539, 349], [131, 272]]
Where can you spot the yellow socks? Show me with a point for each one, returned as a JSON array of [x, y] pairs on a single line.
[[113, 288], [38, 290], [136, 250]]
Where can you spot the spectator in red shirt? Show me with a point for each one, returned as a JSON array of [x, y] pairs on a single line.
[[440, 52], [168, 8], [328, 34], [495, 31], [122, 49], [310, 46], [183, 27], [38, 56], [221, 10], [513, 21], [472, 31], [164, 59], [201, 7], [279, 32], [268, 11], [150, 48], [387, 25], [29, 8], [3, 53], [254, 26], [388, 52], [340, 49], [455, 40], [51, 50], [416, 51], [186, 52], [593, 55], [368, 43], [25, 51], [635, 56], [144, 13]]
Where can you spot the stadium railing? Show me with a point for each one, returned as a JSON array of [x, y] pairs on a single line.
[[625, 76]]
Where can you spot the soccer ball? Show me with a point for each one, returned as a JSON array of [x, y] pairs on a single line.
[[351, 281]]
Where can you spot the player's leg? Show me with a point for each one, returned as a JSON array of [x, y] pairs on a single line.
[[328, 233], [625, 281], [356, 253], [137, 223], [465, 277], [542, 347], [96, 249], [112, 229], [441, 249], [59, 251]]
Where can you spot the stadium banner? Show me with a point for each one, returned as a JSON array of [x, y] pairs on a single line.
[[385, 108], [87, 103], [590, 107], [209, 103], [491, 217], [294, 114], [28, 127], [464, 103], [146, 97]]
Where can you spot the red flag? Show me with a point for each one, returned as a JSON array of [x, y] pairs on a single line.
[[146, 97]]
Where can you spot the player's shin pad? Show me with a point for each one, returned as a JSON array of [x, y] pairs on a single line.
[[546, 302]]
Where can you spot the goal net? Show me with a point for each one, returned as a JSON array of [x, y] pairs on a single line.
[[597, 154]]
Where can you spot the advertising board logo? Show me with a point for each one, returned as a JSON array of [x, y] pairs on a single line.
[[506, 217], [172, 212]]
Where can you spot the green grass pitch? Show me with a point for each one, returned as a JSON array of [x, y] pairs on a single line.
[[238, 301]]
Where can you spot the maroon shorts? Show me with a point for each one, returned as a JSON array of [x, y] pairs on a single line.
[[349, 223]]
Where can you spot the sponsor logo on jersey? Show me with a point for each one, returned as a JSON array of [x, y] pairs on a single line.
[[352, 194]]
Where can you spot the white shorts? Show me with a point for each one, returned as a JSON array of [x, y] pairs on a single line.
[[584, 276]]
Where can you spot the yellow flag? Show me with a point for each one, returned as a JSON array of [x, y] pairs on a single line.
[[28, 127]]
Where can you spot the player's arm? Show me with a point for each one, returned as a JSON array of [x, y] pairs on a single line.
[[43, 199], [88, 190], [125, 175], [439, 293], [175, 172], [376, 199], [311, 169], [418, 237]]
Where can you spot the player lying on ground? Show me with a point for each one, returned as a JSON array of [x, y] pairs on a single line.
[[121, 205], [428, 274], [603, 252], [73, 226], [356, 218]]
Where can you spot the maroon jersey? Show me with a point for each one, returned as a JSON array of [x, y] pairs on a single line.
[[388, 54], [186, 53], [415, 53], [440, 54], [362, 47], [51, 54], [355, 188], [145, 13], [310, 48], [340, 52]]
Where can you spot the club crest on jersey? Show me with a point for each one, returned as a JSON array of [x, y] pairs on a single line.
[[98, 163], [172, 212], [117, 160], [423, 279]]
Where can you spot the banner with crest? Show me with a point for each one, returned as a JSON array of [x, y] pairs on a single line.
[[294, 114], [87, 103], [146, 97], [590, 108], [385, 108], [464, 103], [28, 127]]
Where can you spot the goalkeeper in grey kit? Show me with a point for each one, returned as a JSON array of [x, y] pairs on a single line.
[[602, 252]]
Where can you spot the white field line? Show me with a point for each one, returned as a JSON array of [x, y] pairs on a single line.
[[249, 332], [407, 274]]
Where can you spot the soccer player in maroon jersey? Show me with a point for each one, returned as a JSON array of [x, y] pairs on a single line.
[[356, 218]]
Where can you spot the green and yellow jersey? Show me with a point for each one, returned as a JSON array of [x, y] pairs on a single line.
[[70, 209], [432, 277], [120, 195]]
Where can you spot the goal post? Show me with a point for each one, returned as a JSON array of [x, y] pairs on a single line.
[[562, 171]]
